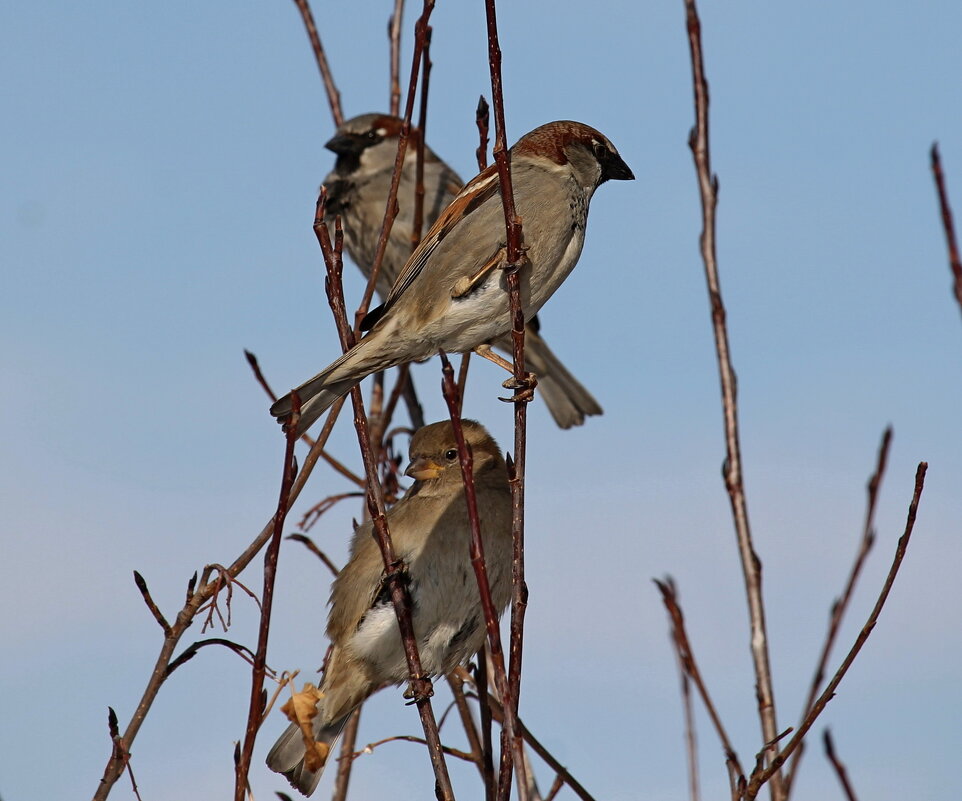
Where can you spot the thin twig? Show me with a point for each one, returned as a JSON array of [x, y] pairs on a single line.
[[258, 698], [515, 259], [467, 721], [492, 624], [691, 739], [191, 650], [955, 264], [333, 96], [687, 658], [197, 595], [410, 738], [482, 118], [158, 615], [839, 766], [751, 565], [306, 438], [556, 786], [344, 764], [391, 208], [308, 543], [760, 777], [420, 143], [394, 37], [840, 606], [394, 567], [312, 515], [487, 746]]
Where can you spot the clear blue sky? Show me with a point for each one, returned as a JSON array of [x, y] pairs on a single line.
[[159, 169]]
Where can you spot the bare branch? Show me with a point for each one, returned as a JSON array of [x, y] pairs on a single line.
[[345, 763], [333, 96], [158, 615], [308, 543], [760, 777], [408, 738], [751, 565], [258, 694], [394, 567], [840, 605], [687, 658], [191, 650], [524, 384], [839, 767], [420, 142], [955, 264], [394, 37]]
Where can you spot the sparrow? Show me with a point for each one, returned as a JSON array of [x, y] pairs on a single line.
[[431, 532], [452, 294]]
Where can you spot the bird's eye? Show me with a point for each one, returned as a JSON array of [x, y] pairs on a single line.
[[451, 454], [372, 136], [601, 152]]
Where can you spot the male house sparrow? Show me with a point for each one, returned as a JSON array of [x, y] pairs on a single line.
[[357, 190], [451, 294], [431, 531]]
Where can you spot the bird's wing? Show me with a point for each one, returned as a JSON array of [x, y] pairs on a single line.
[[474, 194]]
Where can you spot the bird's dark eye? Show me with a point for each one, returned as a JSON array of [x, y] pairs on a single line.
[[451, 454], [371, 135], [601, 152]]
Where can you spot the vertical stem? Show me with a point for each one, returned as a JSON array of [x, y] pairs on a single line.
[[333, 96], [394, 36], [751, 565], [515, 259]]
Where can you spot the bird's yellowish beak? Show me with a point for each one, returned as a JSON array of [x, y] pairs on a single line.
[[423, 469]]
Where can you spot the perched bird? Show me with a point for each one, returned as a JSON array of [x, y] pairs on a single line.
[[431, 531], [451, 294], [357, 190]]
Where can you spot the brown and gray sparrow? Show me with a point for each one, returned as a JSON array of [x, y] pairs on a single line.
[[431, 532], [357, 190], [451, 294]]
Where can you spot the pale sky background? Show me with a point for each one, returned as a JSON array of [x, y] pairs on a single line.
[[159, 170]]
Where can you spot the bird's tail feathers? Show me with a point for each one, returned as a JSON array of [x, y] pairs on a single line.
[[288, 754], [565, 396]]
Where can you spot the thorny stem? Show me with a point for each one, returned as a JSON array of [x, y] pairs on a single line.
[[751, 565], [492, 625], [391, 209], [394, 568], [841, 603], [333, 96], [515, 259], [955, 264], [258, 693], [759, 777]]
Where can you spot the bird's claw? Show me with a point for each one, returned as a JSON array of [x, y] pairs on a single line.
[[523, 387], [418, 690]]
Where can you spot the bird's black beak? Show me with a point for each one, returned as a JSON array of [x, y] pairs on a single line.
[[615, 169], [346, 144]]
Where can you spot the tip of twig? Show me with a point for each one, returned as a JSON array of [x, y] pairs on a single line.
[[934, 152], [251, 358]]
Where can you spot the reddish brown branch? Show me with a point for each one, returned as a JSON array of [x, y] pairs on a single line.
[[418, 223], [838, 766], [515, 259], [191, 650], [751, 564], [408, 738], [258, 698], [345, 763], [308, 543], [467, 720], [482, 117], [449, 390], [955, 264], [390, 210], [317, 511], [333, 96], [841, 603], [198, 594], [686, 656], [487, 746], [394, 567], [758, 778], [158, 615]]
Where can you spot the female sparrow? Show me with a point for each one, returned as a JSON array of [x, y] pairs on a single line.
[[357, 190], [431, 532], [451, 294]]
